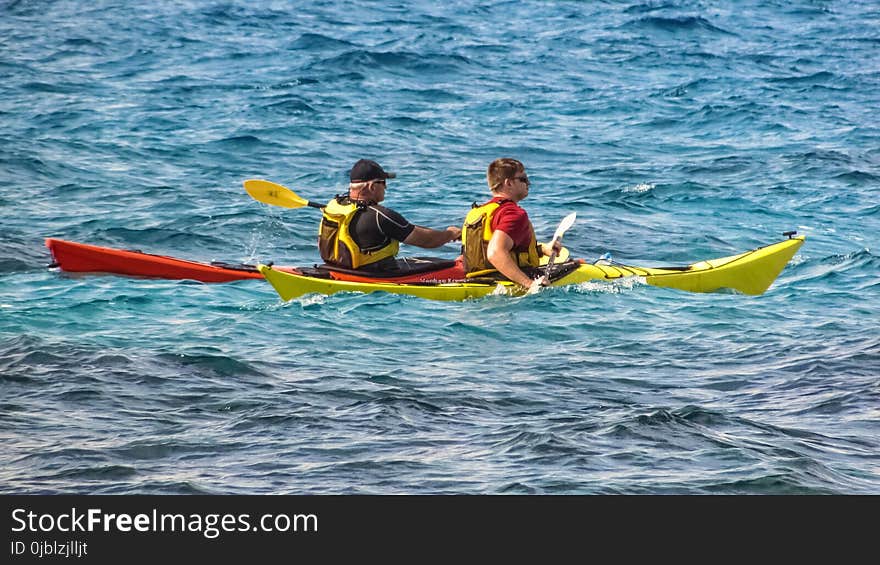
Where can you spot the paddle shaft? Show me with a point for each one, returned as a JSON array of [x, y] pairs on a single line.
[[552, 256]]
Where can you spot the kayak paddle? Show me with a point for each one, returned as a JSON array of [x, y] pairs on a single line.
[[272, 193]]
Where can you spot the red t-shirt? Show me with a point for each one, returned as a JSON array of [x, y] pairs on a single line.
[[513, 220]]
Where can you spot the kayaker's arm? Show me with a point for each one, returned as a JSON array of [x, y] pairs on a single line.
[[429, 238], [498, 254]]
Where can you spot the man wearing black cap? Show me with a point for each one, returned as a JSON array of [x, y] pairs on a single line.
[[357, 233]]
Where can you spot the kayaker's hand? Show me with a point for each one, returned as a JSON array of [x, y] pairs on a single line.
[[454, 233], [537, 284], [548, 250]]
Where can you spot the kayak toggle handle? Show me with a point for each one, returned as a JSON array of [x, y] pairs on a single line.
[[789, 233]]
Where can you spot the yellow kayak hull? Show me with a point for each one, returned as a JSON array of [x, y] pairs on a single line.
[[751, 272]]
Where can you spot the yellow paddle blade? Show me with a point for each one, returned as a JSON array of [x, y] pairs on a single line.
[[272, 193]]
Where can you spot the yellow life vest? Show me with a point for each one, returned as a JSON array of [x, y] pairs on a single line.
[[336, 245], [475, 235]]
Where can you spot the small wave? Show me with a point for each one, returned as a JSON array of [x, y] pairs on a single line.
[[349, 76], [435, 95], [531, 442], [822, 156], [776, 483], [725, 112], [82, 395], [166, 487], [115, 302], [260, 421], [655, 418], [700, 415], [25, 165], [859, 177], [649, 7], [393, 402], [870, 211], [861, 258], [724, 164], [680, 24], [857, 356], [518, 488], [292, 106], [49, 88], [81, 42], [832, 267], [683, 89], [151, 449], [369, 61], [316, 41], [239, 141], [288, 84], [407, 121], [65, 119], [693, 421], [836, 403], [820, 77], [224, 14], [210, 364], [97, 472]]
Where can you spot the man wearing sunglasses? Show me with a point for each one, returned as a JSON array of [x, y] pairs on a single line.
[[498, 235], [357, 233]]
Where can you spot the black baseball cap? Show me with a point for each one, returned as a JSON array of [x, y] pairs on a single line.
[[366, 170]]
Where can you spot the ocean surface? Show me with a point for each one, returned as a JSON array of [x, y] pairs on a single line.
[[678, 131]]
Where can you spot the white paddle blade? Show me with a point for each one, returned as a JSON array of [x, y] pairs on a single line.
[[566, 223]]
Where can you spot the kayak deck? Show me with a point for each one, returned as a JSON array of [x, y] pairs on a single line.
[[751, 272]]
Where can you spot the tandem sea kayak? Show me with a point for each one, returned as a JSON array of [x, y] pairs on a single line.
[[751, 272]]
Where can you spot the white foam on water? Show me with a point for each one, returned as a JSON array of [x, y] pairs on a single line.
[[610, 287], [311, 299], [639, 188], [500, 290]]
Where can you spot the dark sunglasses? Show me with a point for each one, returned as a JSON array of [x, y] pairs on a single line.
[[524, 179]]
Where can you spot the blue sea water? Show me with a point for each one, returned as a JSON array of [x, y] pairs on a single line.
[[677, 131]]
